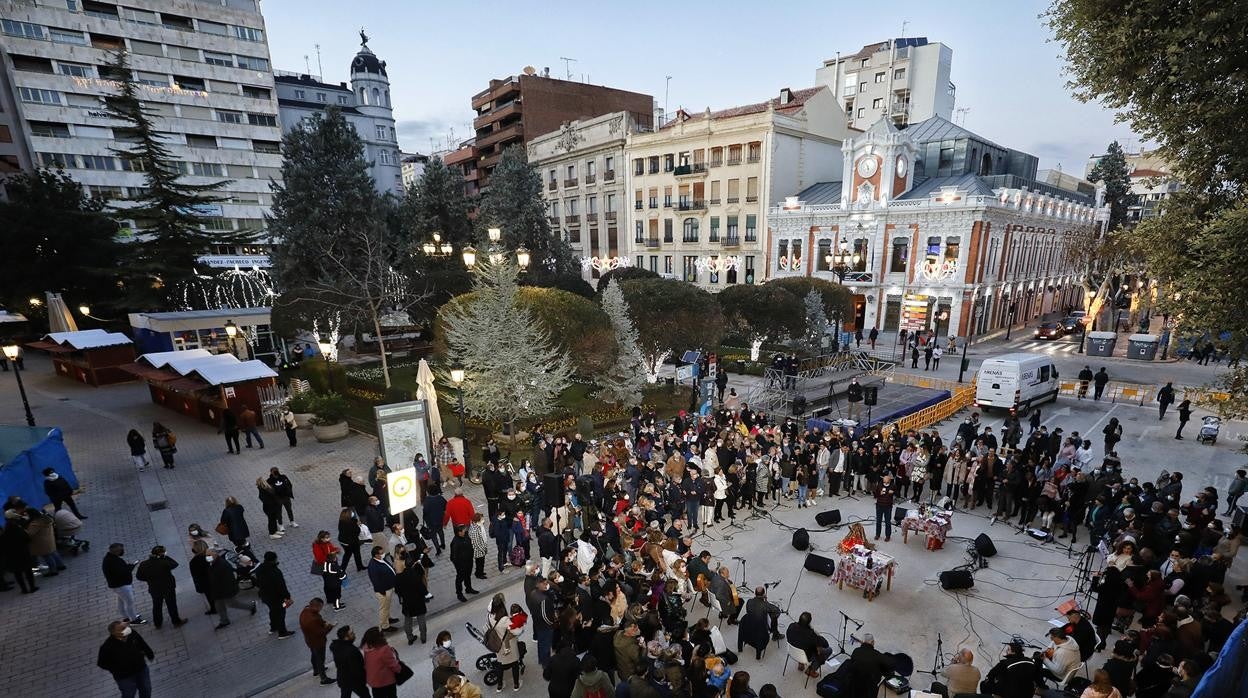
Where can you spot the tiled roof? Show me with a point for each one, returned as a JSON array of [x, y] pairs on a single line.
[[798, 100], [821, 193]]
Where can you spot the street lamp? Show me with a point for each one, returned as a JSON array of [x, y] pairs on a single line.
[[1009, 320], [437, 248], [470, 256], [85, 309], [11, 352], [457, 377], [231, 331], [522, 258]]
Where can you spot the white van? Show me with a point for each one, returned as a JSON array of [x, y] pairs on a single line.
[[1016, 381]]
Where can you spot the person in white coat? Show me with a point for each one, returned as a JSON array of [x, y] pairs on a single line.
[[721, 493], [508, 652]]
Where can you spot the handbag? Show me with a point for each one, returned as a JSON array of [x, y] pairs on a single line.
[[316, 569], [405, 673], [222, 529]]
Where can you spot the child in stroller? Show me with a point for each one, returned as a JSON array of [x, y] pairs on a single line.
[[1209, 427]]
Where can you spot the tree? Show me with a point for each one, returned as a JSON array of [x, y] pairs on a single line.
[[436, 203], [816, 322], [335, 250], [756, 314], [167, 210], [838, 301], [624, 274], [515, 203], [56, 238], [671, 315], [623, 382], [512, 367], [1100, 259], [1112, 170]]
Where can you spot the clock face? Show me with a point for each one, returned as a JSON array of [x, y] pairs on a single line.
[[901, 165], [867, 166]]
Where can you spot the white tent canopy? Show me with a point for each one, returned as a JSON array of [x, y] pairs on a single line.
[[213, 369], [89, 339]]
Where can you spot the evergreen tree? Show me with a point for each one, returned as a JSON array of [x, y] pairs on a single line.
[[624, 380], [1112, 169], [515, 204], [436, 203], [512, 367], [168, 211], [816, 322]]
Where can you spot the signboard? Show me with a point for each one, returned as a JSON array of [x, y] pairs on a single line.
[[401, 487], [228, 261], [229, 392], [684, 373], [711, 366], [403, 432], [914, 310]]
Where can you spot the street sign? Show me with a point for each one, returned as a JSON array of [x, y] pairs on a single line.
[[684, 373], [401, 486]]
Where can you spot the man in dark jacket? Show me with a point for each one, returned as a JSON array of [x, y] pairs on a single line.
[[157, 571], [1165, 398], [224, 588], [1013, 677], [381, 575], [350, 663], [434, 509], [867, 667], [59, 491], [1099, 380], [462, 559], [541, 605], [125, 655], [1085, 376], [315, 631], [853, 396], [411, 588], [120, 577], [271, 584]]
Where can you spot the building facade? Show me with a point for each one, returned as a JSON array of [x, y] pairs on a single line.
[[413, 166], [514, 110], [365, 104], [583, 166], [700, 187], [905, 79], [939, 238], [204, 74], [1151, 184]]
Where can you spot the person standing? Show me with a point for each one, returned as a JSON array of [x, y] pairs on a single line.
[[872, 336], [476, 535], [157, 571], [542, 611], [138, 449], [500, 531], [853, 396], [434, 508], [1113, 434], [381, 664], [15, 550], [1165, 398], [272, 510], [1099, 381], [284, 492], [461, 559], [349, 535], [350, 664], [928, 352], [59, 491], [721, 382], [508, 655], [411, 586], [271, 584], [229, 425], [1085, 377], [937, 352], [120, 577], [165, 441], [235, 524], [1185, 415], [381, 575], [914, 354], [290, 426], [1235, 491], [884, 495], [315, 634], [223, 586], [125, 655], [201, 572], [247, 421]]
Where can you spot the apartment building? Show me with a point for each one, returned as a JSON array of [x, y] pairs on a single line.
[[204, 74], [413, 166], [516, 109], [365, 104], [14, 148], [905, 79], [701, 186], [583, 167], [1151, 183], [938, 228]]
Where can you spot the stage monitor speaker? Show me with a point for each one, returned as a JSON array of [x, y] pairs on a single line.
[[899, 513], [801, 539], [552, 490], [818, 563], [984, 546], [799, 405], [956, 579], [831, 517], [871, 396]]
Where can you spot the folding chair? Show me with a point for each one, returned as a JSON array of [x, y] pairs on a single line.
[[797, 655]]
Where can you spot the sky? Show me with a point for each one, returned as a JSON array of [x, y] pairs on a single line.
[[719, 54]]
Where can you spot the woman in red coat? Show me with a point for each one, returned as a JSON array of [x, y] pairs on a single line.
[[1151, 597]]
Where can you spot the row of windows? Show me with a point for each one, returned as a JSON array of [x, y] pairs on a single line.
[[323, 98], [690, 230], [114, 193], [109, 163], [107, 72], [695, 160], [689, 264], [573, 205], [73, 37], [52, 129], [589, 167], [238, 117], [852, 80], [695, 196]]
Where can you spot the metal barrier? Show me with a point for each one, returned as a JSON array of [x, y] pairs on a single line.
[[1115, 392], [962, 396]]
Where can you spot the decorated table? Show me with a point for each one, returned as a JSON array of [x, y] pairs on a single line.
[[865, 569], [935, 525]]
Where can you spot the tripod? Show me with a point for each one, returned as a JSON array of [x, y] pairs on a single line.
[[832, 401]]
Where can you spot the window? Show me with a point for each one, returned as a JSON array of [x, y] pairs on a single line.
[[320, 97], [591, 205], [554, 178], [249, 34], [714, 192], [206, 169], [953, 247], [574, 207], [863, 62], [689, 230], [554, 208], [48, 129], [734, 191], [877, 103], [146, 48], [862, 87], [667, 197], [946, 159], [196, 141], [654, 263], [63, 36], [154, 79], [714, 275], [571, 172], [213, 28], [58, 160], [74, 70], [862, 112], [734, 155], [638, 200], [667, 264], [574, 235], [139, 16], [256, 92], [900, 260], [823, 254], [639, 166], [253, 63], [381, 133], [879, 77], [343, 99], [754, 151], [751, 228], [300, 94], [25, 30], [71, 5], [262, 120], [384, 157], [669, 162], [714, 229], [38, 96], [717, 157], [751, 189], [229, 117], [690, 264], [654, 197], [609, 166], [611, 203], [732, 227], [749, 269], [591, 168], [98, 162], [639, 233], [224, 59], [899, 74], [654, 164]]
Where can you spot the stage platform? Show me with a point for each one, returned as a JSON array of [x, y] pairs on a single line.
[[895, 401]]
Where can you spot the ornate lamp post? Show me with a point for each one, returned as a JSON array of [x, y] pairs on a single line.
[[437, 248], [11, 352], [841, 262], [495, 252], [457, 377], [231, 331]]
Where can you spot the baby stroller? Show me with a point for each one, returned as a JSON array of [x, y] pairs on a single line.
[[242, 563], [488, 662], [1209, 427]]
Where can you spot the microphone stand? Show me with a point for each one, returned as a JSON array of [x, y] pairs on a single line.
[[845, 619], [938, 662]]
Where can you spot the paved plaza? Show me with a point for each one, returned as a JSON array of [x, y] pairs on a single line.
[[65, 621]]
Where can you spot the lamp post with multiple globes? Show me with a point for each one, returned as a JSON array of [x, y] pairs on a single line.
[[495, 252], [457, 377]]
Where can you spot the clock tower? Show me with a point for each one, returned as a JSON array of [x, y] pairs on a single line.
[[878, 166]]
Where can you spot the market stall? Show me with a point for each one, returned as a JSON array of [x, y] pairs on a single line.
[[208, 329], [93, 357], [201, 385]]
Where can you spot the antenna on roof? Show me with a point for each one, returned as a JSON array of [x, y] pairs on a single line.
[[320, 70], [567, 65], [962, 111], [904, 23], [306, 65]]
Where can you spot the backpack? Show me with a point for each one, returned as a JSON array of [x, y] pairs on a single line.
[[517, 556]]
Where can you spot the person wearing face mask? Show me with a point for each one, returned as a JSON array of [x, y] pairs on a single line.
[[500, 531], [533, 488], [349, 661], [125, 655], [157, 571], [201, 572], [59, 491], [442, 656]]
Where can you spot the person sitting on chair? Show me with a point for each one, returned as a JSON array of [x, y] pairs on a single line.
[[1056, 661], [760, 615], [802, 636], [1013, 677], [867, 667], [962, 675]]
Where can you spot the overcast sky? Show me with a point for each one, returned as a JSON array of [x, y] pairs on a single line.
[[719, 54]]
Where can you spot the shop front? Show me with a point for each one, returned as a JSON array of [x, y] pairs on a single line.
[[94, 357], [202, 385], [209, 330]]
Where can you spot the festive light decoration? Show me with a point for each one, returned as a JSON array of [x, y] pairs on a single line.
[[652, 374], [936, 270], [605, 264], [233, 288], [717, 265]]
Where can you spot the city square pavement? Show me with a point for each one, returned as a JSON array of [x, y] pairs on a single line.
[[1016, 594]]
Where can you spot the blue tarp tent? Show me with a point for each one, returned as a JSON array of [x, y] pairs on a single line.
[[1229, 674], [24, 453]]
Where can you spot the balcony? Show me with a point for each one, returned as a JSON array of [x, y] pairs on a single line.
[[638, 205], [609, 215], [552, 185], [717, 163], [654, 203], [496, 114], [731, 241], [608, 176], [713, 202], [591, 217], [734, 161], [569, 183], [734, 199], [553, 220], [573, 219], [751, 199], [652, 243], [654, 169], [496, 90], [506, 133], [691, 205], [753, 159], [590, 179], [667, 203], [696, 170]]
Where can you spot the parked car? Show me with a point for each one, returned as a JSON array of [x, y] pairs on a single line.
[[1050, 330], [1072, 324]]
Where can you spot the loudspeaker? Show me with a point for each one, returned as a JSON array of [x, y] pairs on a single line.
[[956, 579], [818, 563], [871, 396], [552, 490], [801, 539], [828, 518], [899, 513], [984, 546], [799, 405]]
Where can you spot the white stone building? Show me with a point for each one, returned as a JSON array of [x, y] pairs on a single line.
[[946, 231], [413, 166], [905, 79], [204, 74], [701, 186], [1151, 183]]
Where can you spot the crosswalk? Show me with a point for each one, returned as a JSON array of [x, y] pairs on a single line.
[[1050, 347]]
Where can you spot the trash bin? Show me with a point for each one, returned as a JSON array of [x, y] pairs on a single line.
[[1142, 346], [1101, 343]]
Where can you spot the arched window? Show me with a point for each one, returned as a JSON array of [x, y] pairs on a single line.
[[690, 230], [362, 96], [387, 98], [376, 96]]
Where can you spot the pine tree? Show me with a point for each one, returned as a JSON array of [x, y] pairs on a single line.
[[515, 203], [512, 367], [1112, 169], [816, 322], [168, 211], [436, 203], [624, 380]]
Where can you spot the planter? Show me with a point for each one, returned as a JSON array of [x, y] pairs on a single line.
[[330, 432], [303, 420]]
